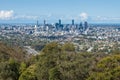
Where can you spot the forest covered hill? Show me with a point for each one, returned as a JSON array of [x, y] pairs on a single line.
[[57, 62]]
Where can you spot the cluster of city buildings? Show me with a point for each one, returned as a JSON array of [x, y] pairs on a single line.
[[86, 37], [60, 29], [45, 29]]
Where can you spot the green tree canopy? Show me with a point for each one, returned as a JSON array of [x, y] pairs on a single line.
[[107, 69]]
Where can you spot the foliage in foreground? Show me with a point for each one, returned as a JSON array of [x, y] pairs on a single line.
[[60, 62]]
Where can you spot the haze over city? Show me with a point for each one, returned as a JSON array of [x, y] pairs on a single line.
[[28, 11]]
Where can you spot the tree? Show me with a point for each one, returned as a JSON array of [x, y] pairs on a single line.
[[52, 47], [9, 70], [107, 69], [48, 59], [54, 74], [29, 73], [69, 47], [22, 67]]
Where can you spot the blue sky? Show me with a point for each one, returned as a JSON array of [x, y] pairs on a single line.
[[94, 11]]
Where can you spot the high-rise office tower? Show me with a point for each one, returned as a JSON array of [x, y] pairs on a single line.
[[37, 23], [85, 25], [81, 25], [59, 21], [73, 22], [44, 22], [35, 30]]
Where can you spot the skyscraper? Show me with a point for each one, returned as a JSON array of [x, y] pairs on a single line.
[[35, 30], [44, 22], [81, 25], [85, 25], [73, 22], [59, 21], [37, 23]]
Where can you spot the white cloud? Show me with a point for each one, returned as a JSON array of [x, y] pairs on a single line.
[[83, 16], [101, 18], [5, 15], [28, 17], [9, 15], [105, 18]]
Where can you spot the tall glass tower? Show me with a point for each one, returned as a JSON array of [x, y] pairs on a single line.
[[73, 22]]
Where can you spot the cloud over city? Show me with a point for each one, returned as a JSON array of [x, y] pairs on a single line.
[[11, 15], [83, 16], [105, 18], [6, 15]]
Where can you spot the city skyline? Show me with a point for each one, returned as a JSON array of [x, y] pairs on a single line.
[[52, 10]]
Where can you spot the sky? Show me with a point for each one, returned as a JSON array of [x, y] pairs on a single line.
[[29, 11]]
